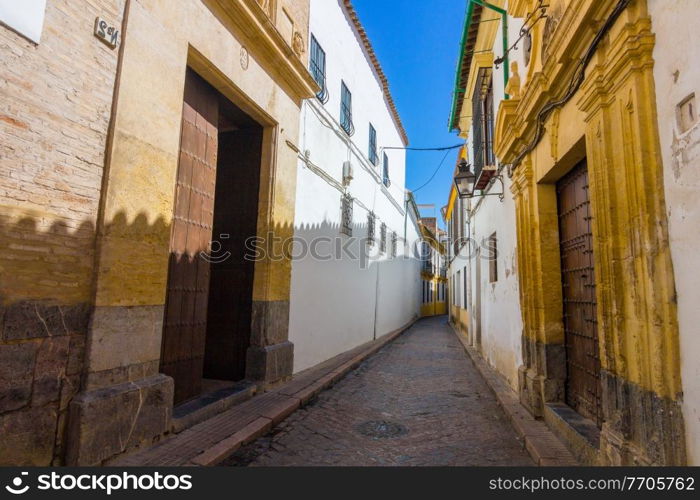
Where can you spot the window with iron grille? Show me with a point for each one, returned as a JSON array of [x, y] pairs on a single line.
[[371, 223], [482, 119], [465, 286], [318, 68], [394, 244], [372, 151], [346, 109], [385, 179], [458, 289], [346, 215], [382, 238], [493, 258]]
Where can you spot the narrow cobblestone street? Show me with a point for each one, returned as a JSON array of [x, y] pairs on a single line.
[[421, 392]]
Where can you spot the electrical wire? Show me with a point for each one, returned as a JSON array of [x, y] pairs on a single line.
[[446, 148], [575, 83], [434, 173]]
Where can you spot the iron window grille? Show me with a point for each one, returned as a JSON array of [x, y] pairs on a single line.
[[346, 109], [318, 69], [394, 244], [482, 118], [385, 173], [382, 238], [371, 223], [464, 295], [372, 154], [346, 215]]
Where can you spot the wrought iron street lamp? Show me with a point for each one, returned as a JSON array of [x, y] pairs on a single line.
[[464, 180]]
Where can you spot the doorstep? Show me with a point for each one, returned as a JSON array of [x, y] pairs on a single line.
[[208, 405], [213, 440], [540, 442], [581, 434]]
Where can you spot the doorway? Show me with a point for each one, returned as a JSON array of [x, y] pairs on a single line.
[[583, 382], [208, 308]]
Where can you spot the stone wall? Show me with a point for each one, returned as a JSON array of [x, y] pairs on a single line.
[[55, 108]]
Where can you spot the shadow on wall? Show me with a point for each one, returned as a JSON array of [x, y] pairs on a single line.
[[46, 292], [346, 292]]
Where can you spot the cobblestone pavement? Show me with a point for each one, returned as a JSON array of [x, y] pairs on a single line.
[[422, 390]]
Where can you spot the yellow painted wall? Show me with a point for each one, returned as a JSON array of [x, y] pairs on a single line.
[[610, 121], [435, 307]]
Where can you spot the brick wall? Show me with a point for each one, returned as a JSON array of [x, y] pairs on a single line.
[[55, 106]]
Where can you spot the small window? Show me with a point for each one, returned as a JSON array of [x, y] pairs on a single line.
[[346, 215], [687, 113], [26, 17], [465, 287], [382, 238], [346, 109], [318, 68], [385, 179], [458, 288], [372, 153], [493, 258], [394, 244]]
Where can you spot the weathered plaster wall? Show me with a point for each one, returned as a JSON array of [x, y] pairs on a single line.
[[339, 303], [231, 45], [55, 107], [501, 320], [611, 122], [495, 323], [677, 76]]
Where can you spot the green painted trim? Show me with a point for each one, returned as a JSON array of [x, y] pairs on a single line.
[[462, 48], [506, 63]]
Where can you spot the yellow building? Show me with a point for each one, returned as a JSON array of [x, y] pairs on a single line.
[[576, 136], [433, 272], [122, 300]]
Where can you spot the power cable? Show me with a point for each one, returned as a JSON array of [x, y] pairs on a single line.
[[436, 171], [446, 148]]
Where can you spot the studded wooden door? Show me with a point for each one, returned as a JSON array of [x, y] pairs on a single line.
[[185, 321], [583, 384]]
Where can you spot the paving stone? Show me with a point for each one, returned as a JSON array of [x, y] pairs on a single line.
[[224, 448], [424, 383]]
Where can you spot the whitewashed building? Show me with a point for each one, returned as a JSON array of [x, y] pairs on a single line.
[[677, 78], [483, 274], [355, 275]]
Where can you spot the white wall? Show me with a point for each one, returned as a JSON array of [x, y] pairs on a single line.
[[501, 321], [677, 75], [338, 304], [494, 308]]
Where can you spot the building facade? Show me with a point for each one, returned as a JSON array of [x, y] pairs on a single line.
[[127, 260], [433, 274], [356, 277], [53, 136], [577, 144]]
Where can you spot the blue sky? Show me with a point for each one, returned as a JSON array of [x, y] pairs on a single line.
[[417, 43]]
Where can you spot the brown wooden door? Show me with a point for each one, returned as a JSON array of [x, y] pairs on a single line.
[[185, 321], [583, 385]]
